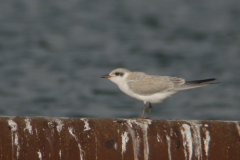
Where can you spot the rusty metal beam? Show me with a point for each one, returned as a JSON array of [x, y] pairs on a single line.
[[45, 138]]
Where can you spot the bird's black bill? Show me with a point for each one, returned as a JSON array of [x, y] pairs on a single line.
[[105, 76]]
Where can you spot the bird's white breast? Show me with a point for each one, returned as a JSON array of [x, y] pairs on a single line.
[[154, 98]]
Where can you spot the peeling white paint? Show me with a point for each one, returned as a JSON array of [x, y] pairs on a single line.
[[197, 139], [144, 127], [51, 125], [238, 127], [115, 146], [86, 124], [14, 135], [129, 122], [71, 131], [28, 126], [60, 154], [187, 141], [13, 125], [143, 124], [169, 147], [135, 142], [206, 141], [39, 154], [192, 140], [159, 138], [17, 144], [81, 151], [59, 124], [124, 141]]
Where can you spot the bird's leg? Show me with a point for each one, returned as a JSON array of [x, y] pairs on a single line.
[[144, 108], [149, 111]]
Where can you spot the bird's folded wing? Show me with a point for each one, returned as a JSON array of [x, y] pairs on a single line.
[[150, 84]]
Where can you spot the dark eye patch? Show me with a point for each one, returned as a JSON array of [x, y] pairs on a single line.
[[118, 74]]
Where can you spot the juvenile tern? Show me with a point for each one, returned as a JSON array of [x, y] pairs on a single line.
[[151, 88]]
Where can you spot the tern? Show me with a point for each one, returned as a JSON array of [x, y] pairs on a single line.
[[151, 88]]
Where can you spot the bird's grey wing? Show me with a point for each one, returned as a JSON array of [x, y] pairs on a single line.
[[150, 84]]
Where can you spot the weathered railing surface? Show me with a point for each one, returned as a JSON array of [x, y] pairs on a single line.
[[49, 138]]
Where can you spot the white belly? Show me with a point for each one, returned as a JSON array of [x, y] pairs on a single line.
[[155, 98]]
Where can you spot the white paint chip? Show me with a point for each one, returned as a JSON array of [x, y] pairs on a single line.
[[169, 147], [60, 154], [187, 141], [197, 139], [143, 124], [159, 138], [39, 155], [135, 141], [72, 132], [13, 125], [17, 144], [59, 124], [86, 124], [124, 141], [28, 126], [14, 135], [206, 141], [115, 146], [238, 127]]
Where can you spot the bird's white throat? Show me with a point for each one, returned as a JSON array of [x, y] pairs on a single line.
[[118, 80]]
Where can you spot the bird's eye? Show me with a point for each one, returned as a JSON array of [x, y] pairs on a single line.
[[119, 74]]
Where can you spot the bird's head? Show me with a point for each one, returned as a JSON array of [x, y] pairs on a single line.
[[117, 75]]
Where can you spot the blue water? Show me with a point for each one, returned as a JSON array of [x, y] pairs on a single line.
[[52, 54]]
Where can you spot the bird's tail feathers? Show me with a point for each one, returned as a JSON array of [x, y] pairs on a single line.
[[201, 82], [196, 83]]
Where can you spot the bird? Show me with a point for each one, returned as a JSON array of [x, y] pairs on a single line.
[[151, 88]]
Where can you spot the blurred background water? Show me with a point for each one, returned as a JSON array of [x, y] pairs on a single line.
[[53, 52]]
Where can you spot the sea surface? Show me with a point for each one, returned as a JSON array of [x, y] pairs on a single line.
[[52, 54]]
